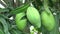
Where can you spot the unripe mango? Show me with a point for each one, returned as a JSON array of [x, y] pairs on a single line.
[[21, 23], [34, 16], [48, 20]]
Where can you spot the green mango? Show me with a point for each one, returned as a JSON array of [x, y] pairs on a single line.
[[48, 20], [33, 16], [19, 16], [21, 23]]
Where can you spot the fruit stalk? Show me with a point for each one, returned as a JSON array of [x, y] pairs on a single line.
[[45, 3]]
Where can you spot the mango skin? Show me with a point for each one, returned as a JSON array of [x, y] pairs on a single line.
[[48, 20], [21, 23], [34, 17]]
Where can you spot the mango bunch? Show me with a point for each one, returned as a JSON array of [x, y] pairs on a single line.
[[35, 18]]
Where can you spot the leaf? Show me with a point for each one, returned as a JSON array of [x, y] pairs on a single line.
[[20, 9], [1, 15], [5, 26], [4, 10], [9, 25], [1, 31], [15, 31], [59, 19], [9, 3]]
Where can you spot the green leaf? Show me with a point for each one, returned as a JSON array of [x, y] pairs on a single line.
[[5, 26], [4, 10], [1, 31], [9, 3], [15, 31], [20, 9], [59, 19], [1, 15]]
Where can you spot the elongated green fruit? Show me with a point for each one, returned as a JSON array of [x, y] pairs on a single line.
[[48, 20], [19, 16], [34, 16], [21, 23]]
